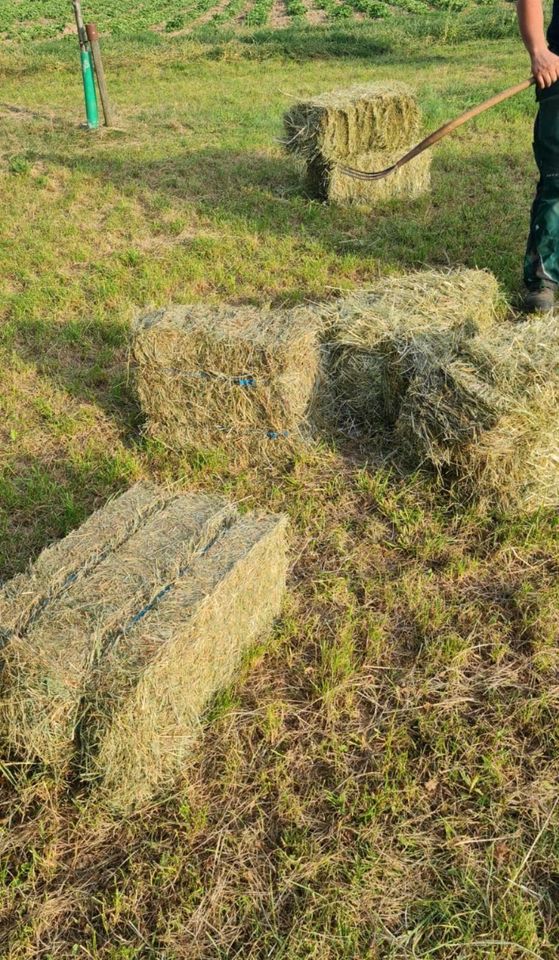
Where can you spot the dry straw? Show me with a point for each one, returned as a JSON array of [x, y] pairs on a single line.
[[58, 566], [372, 330], [236, 379], [367, 127], [147, 694], [47, 665], [325, 180], [345, 123], [485, 414]]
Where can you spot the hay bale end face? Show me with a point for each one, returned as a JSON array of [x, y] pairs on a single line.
[[373, 331], [55, 654], [236, 379], [485, 415], [366, 127]]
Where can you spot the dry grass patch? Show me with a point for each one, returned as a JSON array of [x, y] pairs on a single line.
[[379, 782]]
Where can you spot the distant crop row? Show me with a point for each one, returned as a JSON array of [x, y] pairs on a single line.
[[129, 17]]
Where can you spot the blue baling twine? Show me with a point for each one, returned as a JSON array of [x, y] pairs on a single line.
[[242, 380], [271, 434], [167, 589], [142, 613], [245, 381]]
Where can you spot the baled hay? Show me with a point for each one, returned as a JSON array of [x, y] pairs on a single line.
[[239, 379], [47, 666], [326, 181], [347, 123], [367, 127], [147, 694], [487, 415], [61, 564], [370, 332]]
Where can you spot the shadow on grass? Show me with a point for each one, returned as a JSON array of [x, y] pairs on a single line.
[[298, 42], [43, 499], [475, 215], [88, 359]]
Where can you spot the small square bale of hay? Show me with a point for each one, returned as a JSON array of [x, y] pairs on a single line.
[[46, 663], [61, 564], [148, 692], [485, 415], [236, 379], [371, 331], [367, 127]]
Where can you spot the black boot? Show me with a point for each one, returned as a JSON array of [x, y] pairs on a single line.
[[540, 300]]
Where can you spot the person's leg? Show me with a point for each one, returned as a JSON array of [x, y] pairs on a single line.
[[541, 264]]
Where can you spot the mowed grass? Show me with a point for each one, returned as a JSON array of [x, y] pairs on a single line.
[[381, 782]]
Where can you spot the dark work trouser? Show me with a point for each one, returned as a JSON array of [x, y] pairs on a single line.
[[541, 264]]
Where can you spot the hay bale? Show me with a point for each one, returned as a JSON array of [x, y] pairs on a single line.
[[367, 127], [326, 181], [142, 716], [61, 564], [47, 664], [485, 414], [371, 332], [238, 379], [350, 122]]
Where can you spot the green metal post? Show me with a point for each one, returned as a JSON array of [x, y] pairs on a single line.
[[91, 108], [94, 46]]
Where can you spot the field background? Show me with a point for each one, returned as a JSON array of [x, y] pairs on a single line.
[[19, 19], [381, 782]]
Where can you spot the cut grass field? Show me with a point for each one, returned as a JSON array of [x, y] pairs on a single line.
[[381, 781]]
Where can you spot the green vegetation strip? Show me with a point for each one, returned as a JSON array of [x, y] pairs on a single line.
[[259, 13]]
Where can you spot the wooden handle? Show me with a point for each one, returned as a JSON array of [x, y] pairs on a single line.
[[463, 118]]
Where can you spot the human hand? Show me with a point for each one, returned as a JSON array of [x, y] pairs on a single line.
[[545, 67]]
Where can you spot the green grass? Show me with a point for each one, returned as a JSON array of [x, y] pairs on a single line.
[[19, 19], [380, 782]]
